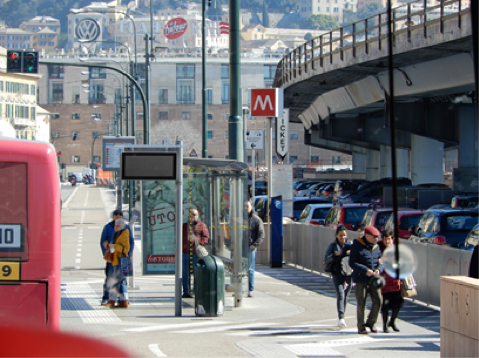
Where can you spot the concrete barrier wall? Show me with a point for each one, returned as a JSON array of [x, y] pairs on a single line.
[[304, 245]]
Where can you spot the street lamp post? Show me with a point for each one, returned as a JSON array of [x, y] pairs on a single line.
[[203, 77]]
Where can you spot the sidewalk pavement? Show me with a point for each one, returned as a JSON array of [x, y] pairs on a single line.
[[292, 314]]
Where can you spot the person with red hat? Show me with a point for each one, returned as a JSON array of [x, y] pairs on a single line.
[[365, 260]]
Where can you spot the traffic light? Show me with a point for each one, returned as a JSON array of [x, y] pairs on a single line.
[[74, 136], [14, 61], [30, 62]]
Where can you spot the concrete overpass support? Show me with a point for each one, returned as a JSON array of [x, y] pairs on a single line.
[[359, 163], [465, 177], [427, 158], [402, 165], [372, 164]]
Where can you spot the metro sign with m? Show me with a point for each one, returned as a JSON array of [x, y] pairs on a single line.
[[267, 102]]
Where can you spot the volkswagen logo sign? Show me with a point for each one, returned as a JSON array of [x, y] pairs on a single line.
[[87, 30]]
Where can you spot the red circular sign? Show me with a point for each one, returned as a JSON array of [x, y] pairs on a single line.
[[175, 28]]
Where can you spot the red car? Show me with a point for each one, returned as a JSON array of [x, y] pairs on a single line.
[[407, 218], [375, 216], [346, 214]]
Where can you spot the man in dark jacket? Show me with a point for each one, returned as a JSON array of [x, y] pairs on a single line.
[[107, 235], [365, 260], [255, 238]]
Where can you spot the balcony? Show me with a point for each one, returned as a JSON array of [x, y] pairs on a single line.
[[23, 122]]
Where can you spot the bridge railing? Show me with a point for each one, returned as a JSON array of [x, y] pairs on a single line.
[[360, 35]]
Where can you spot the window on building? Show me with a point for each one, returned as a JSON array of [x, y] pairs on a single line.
[[32, 89], [186, 115], [210, 134], [269, 71], [95, 134], [55, 135], [139, 137], [75, 135], [163, 95], [335, 9], [314, 158], [1, 86], [55, 71], [75, 159], [96, 116], [75, 98], [96, 159], [55, 116], [225, 71], [292, 159], [96, 96], [139, 116], [210, 116], [225, 93], [209, 95], [227, 116], [293, 135], [185, 91], [250, 159], [137, 93], [75, 115], [227, 135], [57, 93], [185, 71], [163, 115], [50, 43]]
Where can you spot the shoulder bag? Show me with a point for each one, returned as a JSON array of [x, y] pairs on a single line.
[[408, 287], [200, 250]]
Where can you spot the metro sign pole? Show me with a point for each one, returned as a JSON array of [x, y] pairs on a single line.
[[268, 102]]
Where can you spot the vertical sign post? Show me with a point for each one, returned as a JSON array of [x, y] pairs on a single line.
[[282, 134]]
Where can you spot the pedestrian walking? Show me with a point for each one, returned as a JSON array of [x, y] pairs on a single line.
[[116, 282], [338, 250], [255, 238], [195, 233], [392, 299], [107, 235], [366, 264]]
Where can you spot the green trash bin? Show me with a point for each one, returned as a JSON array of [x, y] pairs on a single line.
[[209, 287]]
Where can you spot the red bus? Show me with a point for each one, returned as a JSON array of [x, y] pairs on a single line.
[[29, 234]]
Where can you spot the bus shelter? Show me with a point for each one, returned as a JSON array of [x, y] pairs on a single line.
[[218, 190]]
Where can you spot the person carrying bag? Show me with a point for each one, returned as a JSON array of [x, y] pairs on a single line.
[[336, 260]]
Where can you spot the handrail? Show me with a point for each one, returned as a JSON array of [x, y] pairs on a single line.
[[411, 16]]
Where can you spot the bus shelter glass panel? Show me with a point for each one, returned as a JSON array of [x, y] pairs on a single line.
[[159, 206]]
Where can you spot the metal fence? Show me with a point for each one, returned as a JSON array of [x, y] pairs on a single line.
[[304, 245]]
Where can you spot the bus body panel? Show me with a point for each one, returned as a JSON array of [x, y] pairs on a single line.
[[38, 259]]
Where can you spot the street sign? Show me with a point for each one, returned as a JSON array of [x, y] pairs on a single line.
[[112, 148], [193, 154], [282, 134], [254, 137], [267, 102]]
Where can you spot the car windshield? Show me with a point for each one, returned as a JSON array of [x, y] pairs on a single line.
[[320, 213], [304, 215], [300, 205], [460, 222], [354, 215], [407, 221]]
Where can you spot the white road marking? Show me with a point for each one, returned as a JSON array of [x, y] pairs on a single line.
[[77, 261], [69, 228], [155, 350], [93, 227], [78, 255], [77, 267], [79, 244], [86, 199], [79, 249], [170, 327], [235, 327]]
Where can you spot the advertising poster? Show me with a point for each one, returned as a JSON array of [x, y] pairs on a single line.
[[159, 206]]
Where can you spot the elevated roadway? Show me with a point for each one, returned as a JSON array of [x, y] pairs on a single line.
[[337, 84]]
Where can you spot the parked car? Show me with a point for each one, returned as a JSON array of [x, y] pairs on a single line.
[[305, 185], [407, 218], [309, 190], [261, 206], [444, 226], [344, 187], [472, 239], [375, 216], [296, 183], [299, 203], [260, 188], [314, 214], [464, 201], [346, 214], [372, 191], [326, 191]]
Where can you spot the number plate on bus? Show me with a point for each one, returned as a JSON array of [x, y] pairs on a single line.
[[9, 271], [10, 236]]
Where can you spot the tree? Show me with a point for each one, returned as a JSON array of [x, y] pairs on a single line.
[[265, 15], [366, 11], [308, 36], [321, 22], [18, 11], [176, 129]]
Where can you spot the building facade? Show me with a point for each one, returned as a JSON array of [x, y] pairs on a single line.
[[334, 8], [176, 107]]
